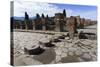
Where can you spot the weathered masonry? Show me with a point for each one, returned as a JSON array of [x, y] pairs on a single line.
[[60, 22]]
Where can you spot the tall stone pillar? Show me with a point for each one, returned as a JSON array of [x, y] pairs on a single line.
[[57, 25], [72, 26], [59, 22], [78, 19], [21, 27], [82, 23], [33, 24], [26, 20], [43, 20], [44, 27], [26, 24]]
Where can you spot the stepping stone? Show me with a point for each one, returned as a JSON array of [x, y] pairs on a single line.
[[44, 40], [56, 40], [49, 44], [61, 37], [66, 38], [34, 51]]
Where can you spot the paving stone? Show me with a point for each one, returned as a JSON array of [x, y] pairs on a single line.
[[30, 61], [70, 53], [66, 38], [68, 49], [61, 44], [87, 42], [86, 56], [94, 58], [58, 58], [49, 36], [76, 41], [63, 55], [53, 62], [68, 45], [44, 40], [78, 52], [59, 62], [93, 50], [70, 41], [80, 59], [72, 49], [65, 50], [86, 50], [58, 52]]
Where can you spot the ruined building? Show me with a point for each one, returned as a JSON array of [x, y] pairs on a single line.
[[60, 23]]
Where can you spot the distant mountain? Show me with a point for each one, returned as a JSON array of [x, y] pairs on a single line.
[[18, 18], [21, 18]]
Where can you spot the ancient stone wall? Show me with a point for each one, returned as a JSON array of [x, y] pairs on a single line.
[[82, 23], [78, 21], [71, 26], [59, 22]]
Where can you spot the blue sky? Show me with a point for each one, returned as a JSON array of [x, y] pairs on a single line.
[[77, 8], [82, 10], [88, 12]]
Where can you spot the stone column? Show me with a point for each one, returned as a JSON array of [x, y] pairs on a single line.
[[72, 26], [82, 22], [33, 24], [43, 24], [57, 26], [21, 25], [44, 27], [26, 24], [78, 19]]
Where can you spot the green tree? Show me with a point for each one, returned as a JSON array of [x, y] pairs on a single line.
[[64, 12], [47, 17], [26, 16], [37, 15], [43, 16], [26, 20]]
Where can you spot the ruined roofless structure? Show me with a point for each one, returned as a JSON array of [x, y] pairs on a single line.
[[60, 23]]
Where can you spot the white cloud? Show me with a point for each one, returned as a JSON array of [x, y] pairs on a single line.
[[35, 7], [40, 7]]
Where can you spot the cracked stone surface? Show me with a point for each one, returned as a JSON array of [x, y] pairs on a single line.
[[66, 51]]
